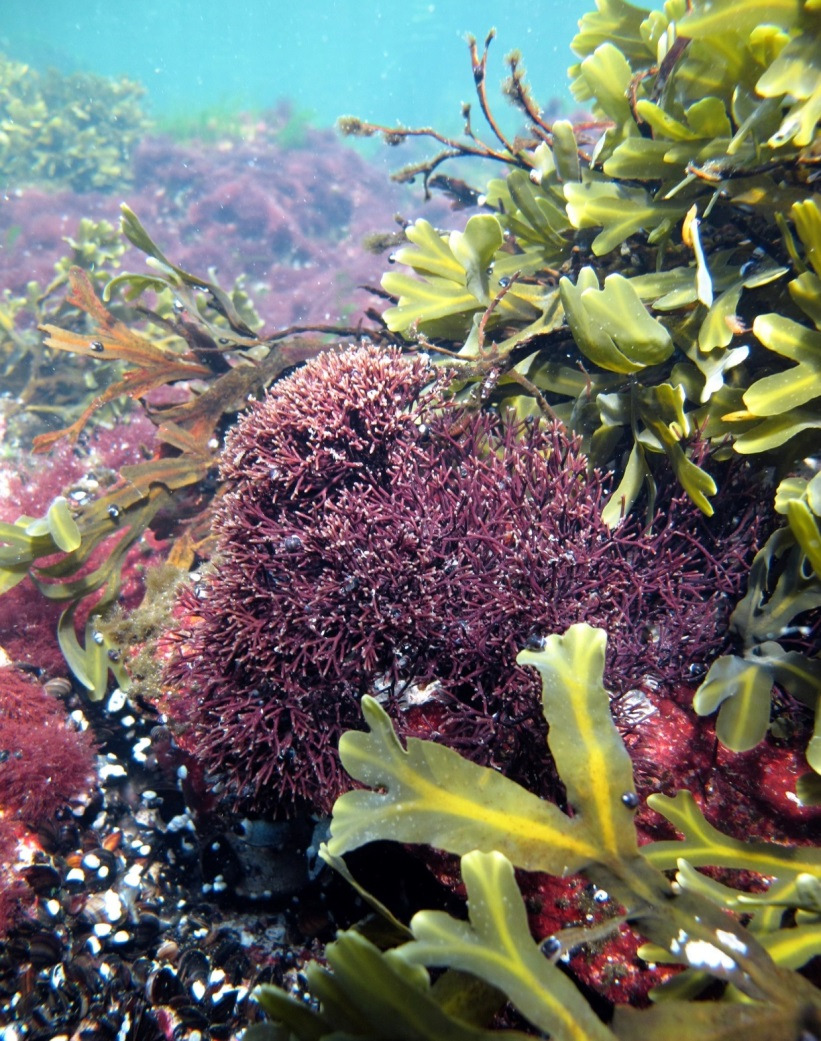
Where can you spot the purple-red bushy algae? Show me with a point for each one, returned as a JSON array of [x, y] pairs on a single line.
[[366, 546]]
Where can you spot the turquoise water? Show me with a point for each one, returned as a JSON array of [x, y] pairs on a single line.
[[387, 61]]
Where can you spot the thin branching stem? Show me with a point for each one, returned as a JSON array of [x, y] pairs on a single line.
[[479, 66]]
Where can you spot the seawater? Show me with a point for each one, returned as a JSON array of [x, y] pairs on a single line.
[[390, 61]]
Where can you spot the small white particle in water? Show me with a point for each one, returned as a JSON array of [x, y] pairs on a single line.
[[182, 772]]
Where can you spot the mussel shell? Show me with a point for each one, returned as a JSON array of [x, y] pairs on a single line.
[[44, 948], [10, 970], [141, 969], [189, 1015], [193, 966], [44, 879], [105, 907], [163, 985], [169, 950], [223, 1007], [227, 944], [82, 971], [58, 687], [46, 1007], [100, 1025], [146, 929], [101, 867]]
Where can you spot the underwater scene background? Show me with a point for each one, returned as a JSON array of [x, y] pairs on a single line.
[[327, 58], [410, 455]]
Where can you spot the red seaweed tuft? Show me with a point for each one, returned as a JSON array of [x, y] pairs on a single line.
[[366, 548], [44, 765]]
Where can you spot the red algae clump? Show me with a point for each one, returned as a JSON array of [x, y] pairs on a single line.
[[45, 764], [375, 539], [288, 220]]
